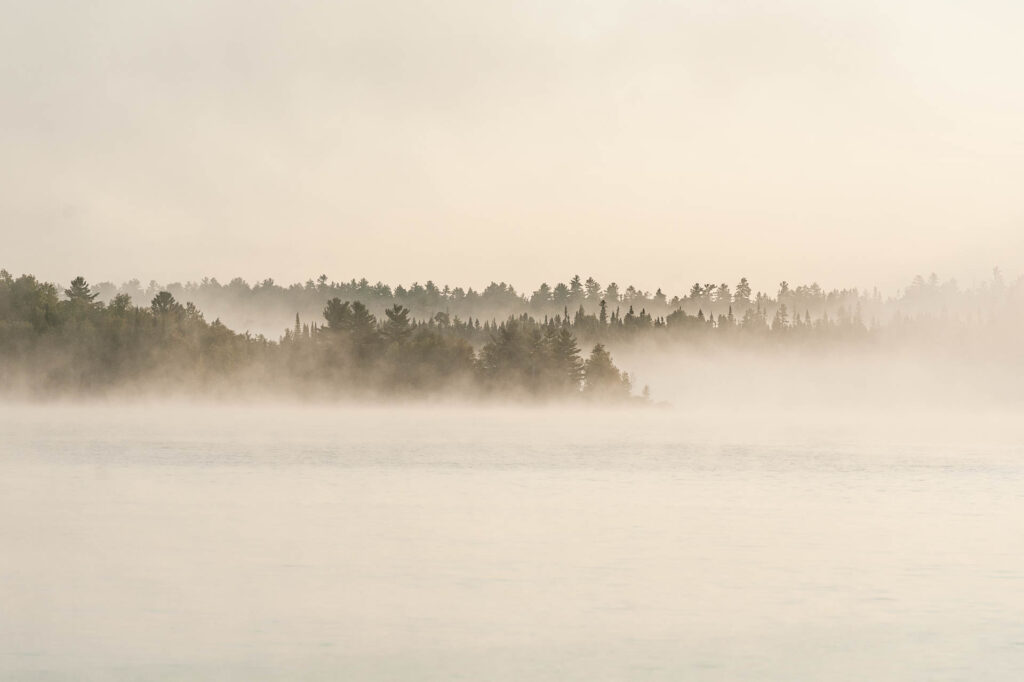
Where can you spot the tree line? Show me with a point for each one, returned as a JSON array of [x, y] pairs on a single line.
[[52, 337], [262, 306], [53, 340]]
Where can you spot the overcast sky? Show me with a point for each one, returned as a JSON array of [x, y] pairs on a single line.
[[655, 143]]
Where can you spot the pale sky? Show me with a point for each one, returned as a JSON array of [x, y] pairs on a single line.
[[654, 143]]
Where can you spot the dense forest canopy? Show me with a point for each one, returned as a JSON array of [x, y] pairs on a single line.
[[53, 340]]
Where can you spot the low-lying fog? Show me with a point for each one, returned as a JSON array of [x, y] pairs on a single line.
[[785, 511], [269, 541], [887, 379]]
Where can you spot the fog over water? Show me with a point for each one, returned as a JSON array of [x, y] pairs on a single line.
[[511, 341], [894, 382], [805, 498], [265, 542]]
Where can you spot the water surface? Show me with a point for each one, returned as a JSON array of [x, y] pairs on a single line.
[[272, 543]]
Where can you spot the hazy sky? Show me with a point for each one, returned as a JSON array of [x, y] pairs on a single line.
[[656, 143]]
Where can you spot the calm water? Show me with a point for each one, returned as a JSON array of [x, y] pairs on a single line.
[[330, 543]]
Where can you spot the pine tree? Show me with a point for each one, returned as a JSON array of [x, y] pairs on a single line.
[[602, 378], [80, 291]]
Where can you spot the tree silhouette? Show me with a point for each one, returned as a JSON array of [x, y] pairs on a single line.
[[397, 329], [163, 303], [79, 291], [601, 378]]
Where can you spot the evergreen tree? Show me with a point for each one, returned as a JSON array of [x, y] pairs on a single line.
[[80, 292], [575, 289], [566, 355], [338, 314], [398, 327], [163, 304], [601, 378]]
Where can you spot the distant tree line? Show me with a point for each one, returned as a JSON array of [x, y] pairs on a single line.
[[53, 340], [52, 337], [265, 306]]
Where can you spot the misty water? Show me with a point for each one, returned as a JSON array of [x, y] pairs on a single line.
[[264, 542]]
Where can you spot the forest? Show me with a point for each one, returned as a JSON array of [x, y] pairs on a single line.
[[614, 315], [68, 341], [372, 340]]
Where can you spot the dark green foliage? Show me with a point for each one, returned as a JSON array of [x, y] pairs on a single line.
[[426, 338], [602, 379], [164, 304], [80, 292], [79, 344], [565, 358], [398, 327], [338, 314]]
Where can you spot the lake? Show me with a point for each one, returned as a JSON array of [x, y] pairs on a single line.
[[268, 542]]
